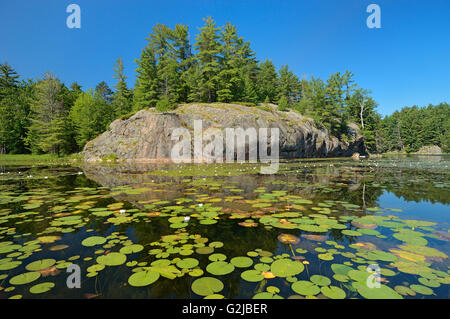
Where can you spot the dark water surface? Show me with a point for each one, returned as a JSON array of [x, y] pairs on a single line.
[[174, 231]]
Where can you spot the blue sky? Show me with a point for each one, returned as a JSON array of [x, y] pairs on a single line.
[[405, 63]]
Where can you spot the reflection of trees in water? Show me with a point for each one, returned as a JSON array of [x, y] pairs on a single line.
[[415, 185]]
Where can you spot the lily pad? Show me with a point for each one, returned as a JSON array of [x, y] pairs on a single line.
[[143, 278], [187, 263], [42, 287], [252, 275], [285, 267], [40, 264], [422, 289], [219, 268], [333, 292], [320, 280], [24, 278], [93, 240], [206, 286], [305, 288], [382, 292], [130, 249], [241, 262], [112, 259]]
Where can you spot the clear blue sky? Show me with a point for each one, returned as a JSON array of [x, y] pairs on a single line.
[[405, 63]]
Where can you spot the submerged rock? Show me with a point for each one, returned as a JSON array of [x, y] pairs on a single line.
[[146, 136]]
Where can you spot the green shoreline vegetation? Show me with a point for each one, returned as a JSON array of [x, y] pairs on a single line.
[[44, 116]]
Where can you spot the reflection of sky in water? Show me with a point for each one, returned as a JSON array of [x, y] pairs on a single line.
[[425, 210]]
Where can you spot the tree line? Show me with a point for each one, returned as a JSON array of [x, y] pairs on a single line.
[[45, 116], [411, 128]]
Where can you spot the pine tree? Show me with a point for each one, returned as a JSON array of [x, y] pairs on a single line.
[[229, 77], [166, 67], [46, 132], [250, 92], [122, 96], [267, 80], [9, 107], [209, 47], [90, 116], [103, 90], [146, 89], [288, 85], [283, 104], [181, 52], [194, 81]]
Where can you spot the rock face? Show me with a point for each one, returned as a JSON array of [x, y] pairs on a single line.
[[146, 136]]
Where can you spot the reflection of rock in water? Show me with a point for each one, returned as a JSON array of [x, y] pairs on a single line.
[[305, 182], [429, 158], [358, 183]]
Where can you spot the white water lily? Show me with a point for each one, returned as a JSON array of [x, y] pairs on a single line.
[[186, 219]]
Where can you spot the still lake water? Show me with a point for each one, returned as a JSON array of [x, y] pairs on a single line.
[[195, 231]]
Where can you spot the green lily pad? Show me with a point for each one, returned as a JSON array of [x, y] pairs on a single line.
[[187, 263], [349, 232], [266, 295], [112, 259], [320, 280], [422, 289], [305, 288], [333, 292], [217, 257], [285, 267], [40, 264], [341, 269], [383, 292], [10, 265], [196, 272], [359, 275], [206, 286], [143, 278], [241, 262], [214, 296], [252, 275], [219, 268], [429, 282], [93, 240], [204, 250], [381, 255], [95, 268], [42, 287], [130, 249], [24, 278]]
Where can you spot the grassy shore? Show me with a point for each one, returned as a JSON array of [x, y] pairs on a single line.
[[32, 159]]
